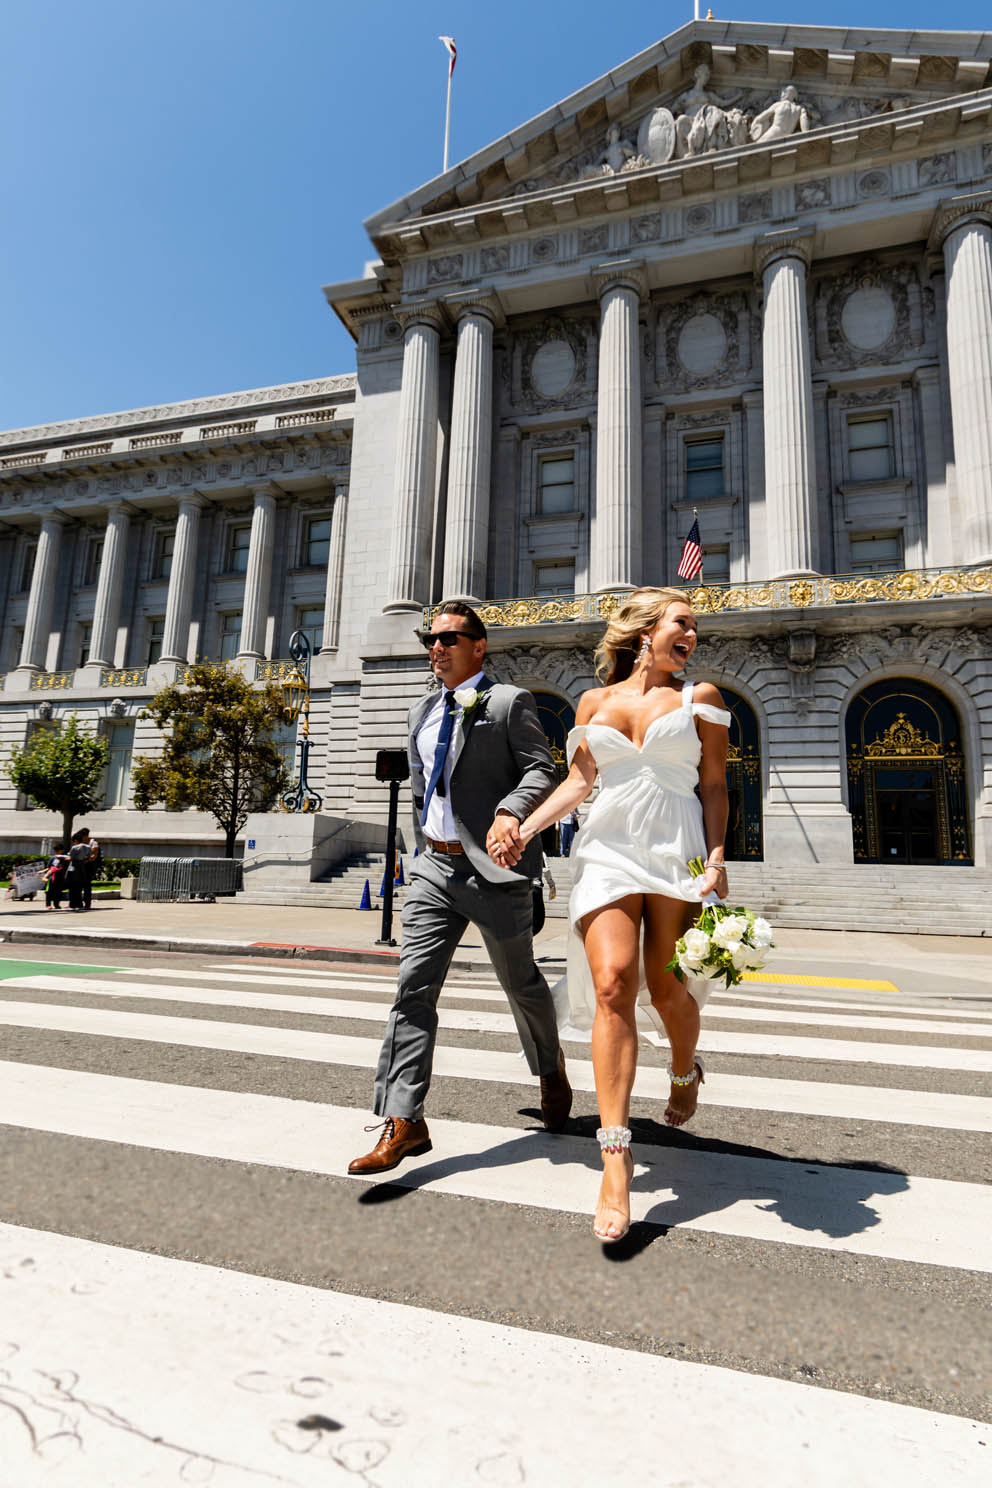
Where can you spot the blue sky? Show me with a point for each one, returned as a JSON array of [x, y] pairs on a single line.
[[181, 178]]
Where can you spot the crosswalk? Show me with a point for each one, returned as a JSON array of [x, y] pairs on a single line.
[[194, 1290]]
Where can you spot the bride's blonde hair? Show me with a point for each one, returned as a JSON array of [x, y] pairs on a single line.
[[617, 651]]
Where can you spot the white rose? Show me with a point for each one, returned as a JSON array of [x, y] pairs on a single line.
[[697, 944], [761, 933], [730, 928], [755, 957], [741, 957], [688, 968], [732, 948], [466, 697]]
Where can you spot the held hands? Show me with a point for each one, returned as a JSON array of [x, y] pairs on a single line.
[[504, 843]]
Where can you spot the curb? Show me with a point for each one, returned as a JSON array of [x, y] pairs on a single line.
[[347, 955]]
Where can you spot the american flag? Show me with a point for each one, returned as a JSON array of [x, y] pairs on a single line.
[[449, 45], [691, 562]]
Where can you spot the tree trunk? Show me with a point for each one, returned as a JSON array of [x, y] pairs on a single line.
[[68, 817]]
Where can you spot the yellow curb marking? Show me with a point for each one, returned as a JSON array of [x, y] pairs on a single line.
[[786, 978]]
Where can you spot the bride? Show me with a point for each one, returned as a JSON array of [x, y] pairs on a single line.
[[652, 738]]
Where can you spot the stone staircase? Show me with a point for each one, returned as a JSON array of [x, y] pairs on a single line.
[[862, 896]]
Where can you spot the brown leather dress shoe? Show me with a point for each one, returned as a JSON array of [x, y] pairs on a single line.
[[400, 1138], [556, 1098]]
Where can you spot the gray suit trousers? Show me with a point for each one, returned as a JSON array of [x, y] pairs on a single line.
[[445, 895]]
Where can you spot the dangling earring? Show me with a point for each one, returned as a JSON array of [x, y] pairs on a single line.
[[645, 650]]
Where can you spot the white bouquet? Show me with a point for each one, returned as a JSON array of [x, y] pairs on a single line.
[[722, 943]]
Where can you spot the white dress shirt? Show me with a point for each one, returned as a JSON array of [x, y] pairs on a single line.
[[440, 823]]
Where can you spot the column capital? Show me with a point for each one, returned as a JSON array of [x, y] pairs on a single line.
[[422, 312], [621, 273], [791, 244], [958, 211], [192, 501], [482, 302], [266, 488]]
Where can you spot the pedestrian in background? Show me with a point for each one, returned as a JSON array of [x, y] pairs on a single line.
[[55, 877], [76, 873], [567, 828]]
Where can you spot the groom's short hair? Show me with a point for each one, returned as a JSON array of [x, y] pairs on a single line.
[[460, 607]]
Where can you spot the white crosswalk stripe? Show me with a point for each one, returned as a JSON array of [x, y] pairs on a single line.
[[273, 1353]]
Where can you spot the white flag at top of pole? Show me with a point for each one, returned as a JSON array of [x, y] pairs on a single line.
[[451, 49], [448, 42]]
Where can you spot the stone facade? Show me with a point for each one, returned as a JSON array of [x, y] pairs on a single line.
[[748, 274]]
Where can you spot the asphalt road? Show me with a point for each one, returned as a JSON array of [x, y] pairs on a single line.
[[809, 1269]]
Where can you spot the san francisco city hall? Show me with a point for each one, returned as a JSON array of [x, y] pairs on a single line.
[[748, 273]]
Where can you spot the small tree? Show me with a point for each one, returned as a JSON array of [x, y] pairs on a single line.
[[60, 769], [219, 755]]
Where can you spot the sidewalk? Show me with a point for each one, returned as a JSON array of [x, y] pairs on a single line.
[[349, 935]]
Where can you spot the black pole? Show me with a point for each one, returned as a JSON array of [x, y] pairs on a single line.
[[386, 934]]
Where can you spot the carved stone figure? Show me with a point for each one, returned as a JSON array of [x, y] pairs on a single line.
[[782, 118], [656, 137], [702, 124], [619, 155]]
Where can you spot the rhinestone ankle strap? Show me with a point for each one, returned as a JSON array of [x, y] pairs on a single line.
[[613, 1138], [683, 1079]]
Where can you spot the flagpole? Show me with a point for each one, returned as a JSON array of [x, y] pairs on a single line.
[[695, 513], [447, 122]]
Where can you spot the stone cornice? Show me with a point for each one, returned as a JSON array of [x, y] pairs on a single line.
[[958, 211], [794, 243], [290, 392], [624, 273]]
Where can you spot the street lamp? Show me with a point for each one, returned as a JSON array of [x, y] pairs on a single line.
[[296, 695]]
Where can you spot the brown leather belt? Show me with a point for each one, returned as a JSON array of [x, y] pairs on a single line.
[[445, 847]]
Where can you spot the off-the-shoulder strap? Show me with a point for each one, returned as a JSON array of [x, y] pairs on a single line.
[[687, 694], [576, 736], [711, 714]]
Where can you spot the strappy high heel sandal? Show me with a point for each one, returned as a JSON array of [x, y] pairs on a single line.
[[698, 1071], [615, 1139]]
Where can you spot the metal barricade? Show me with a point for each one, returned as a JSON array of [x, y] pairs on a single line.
[[182, 879], [157, 878]]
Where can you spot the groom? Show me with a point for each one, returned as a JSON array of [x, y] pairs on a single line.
[[479, 762]]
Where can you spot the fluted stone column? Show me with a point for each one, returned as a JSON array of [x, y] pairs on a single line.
[[964, 227], [466, 539], [408, 580], [41, 599], [182, 576], [110, 585], [335, 571], [782, 259], [615, 529], [258, 576]]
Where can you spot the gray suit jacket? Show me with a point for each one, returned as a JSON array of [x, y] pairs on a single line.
[[501, 760]]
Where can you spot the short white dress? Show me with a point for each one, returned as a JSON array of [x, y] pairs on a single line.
[[644, 826]]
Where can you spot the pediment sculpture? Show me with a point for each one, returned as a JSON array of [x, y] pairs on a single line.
[[705, 120]]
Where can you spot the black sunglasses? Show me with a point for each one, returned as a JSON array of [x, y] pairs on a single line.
[[446, 637]]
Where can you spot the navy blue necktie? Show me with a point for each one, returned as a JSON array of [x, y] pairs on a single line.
[[436, 782]]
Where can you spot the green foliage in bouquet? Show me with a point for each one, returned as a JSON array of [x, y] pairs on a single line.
[[723, 943]]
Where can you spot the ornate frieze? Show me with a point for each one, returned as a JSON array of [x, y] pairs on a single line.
[[911, 643], [553, 364], [571, 668]]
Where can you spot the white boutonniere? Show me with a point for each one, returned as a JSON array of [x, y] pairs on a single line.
[[467, 698]]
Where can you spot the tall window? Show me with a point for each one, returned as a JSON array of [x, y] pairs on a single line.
[[556, 484], [238, 543], [877, 552], [165, 543], [556, 576], [120, 746], [311, 622], [85, 637], [317, 542], [869, 447], [230, 636], [27, 564], [703, 469], [155, 635], [94, 553], [716, 565]]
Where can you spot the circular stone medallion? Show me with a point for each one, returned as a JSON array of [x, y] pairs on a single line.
[[702, 344], [553, 368], [868, 318]]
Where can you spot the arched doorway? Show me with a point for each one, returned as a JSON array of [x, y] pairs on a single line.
[[557, 719], [906, 776], [743, 781]]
